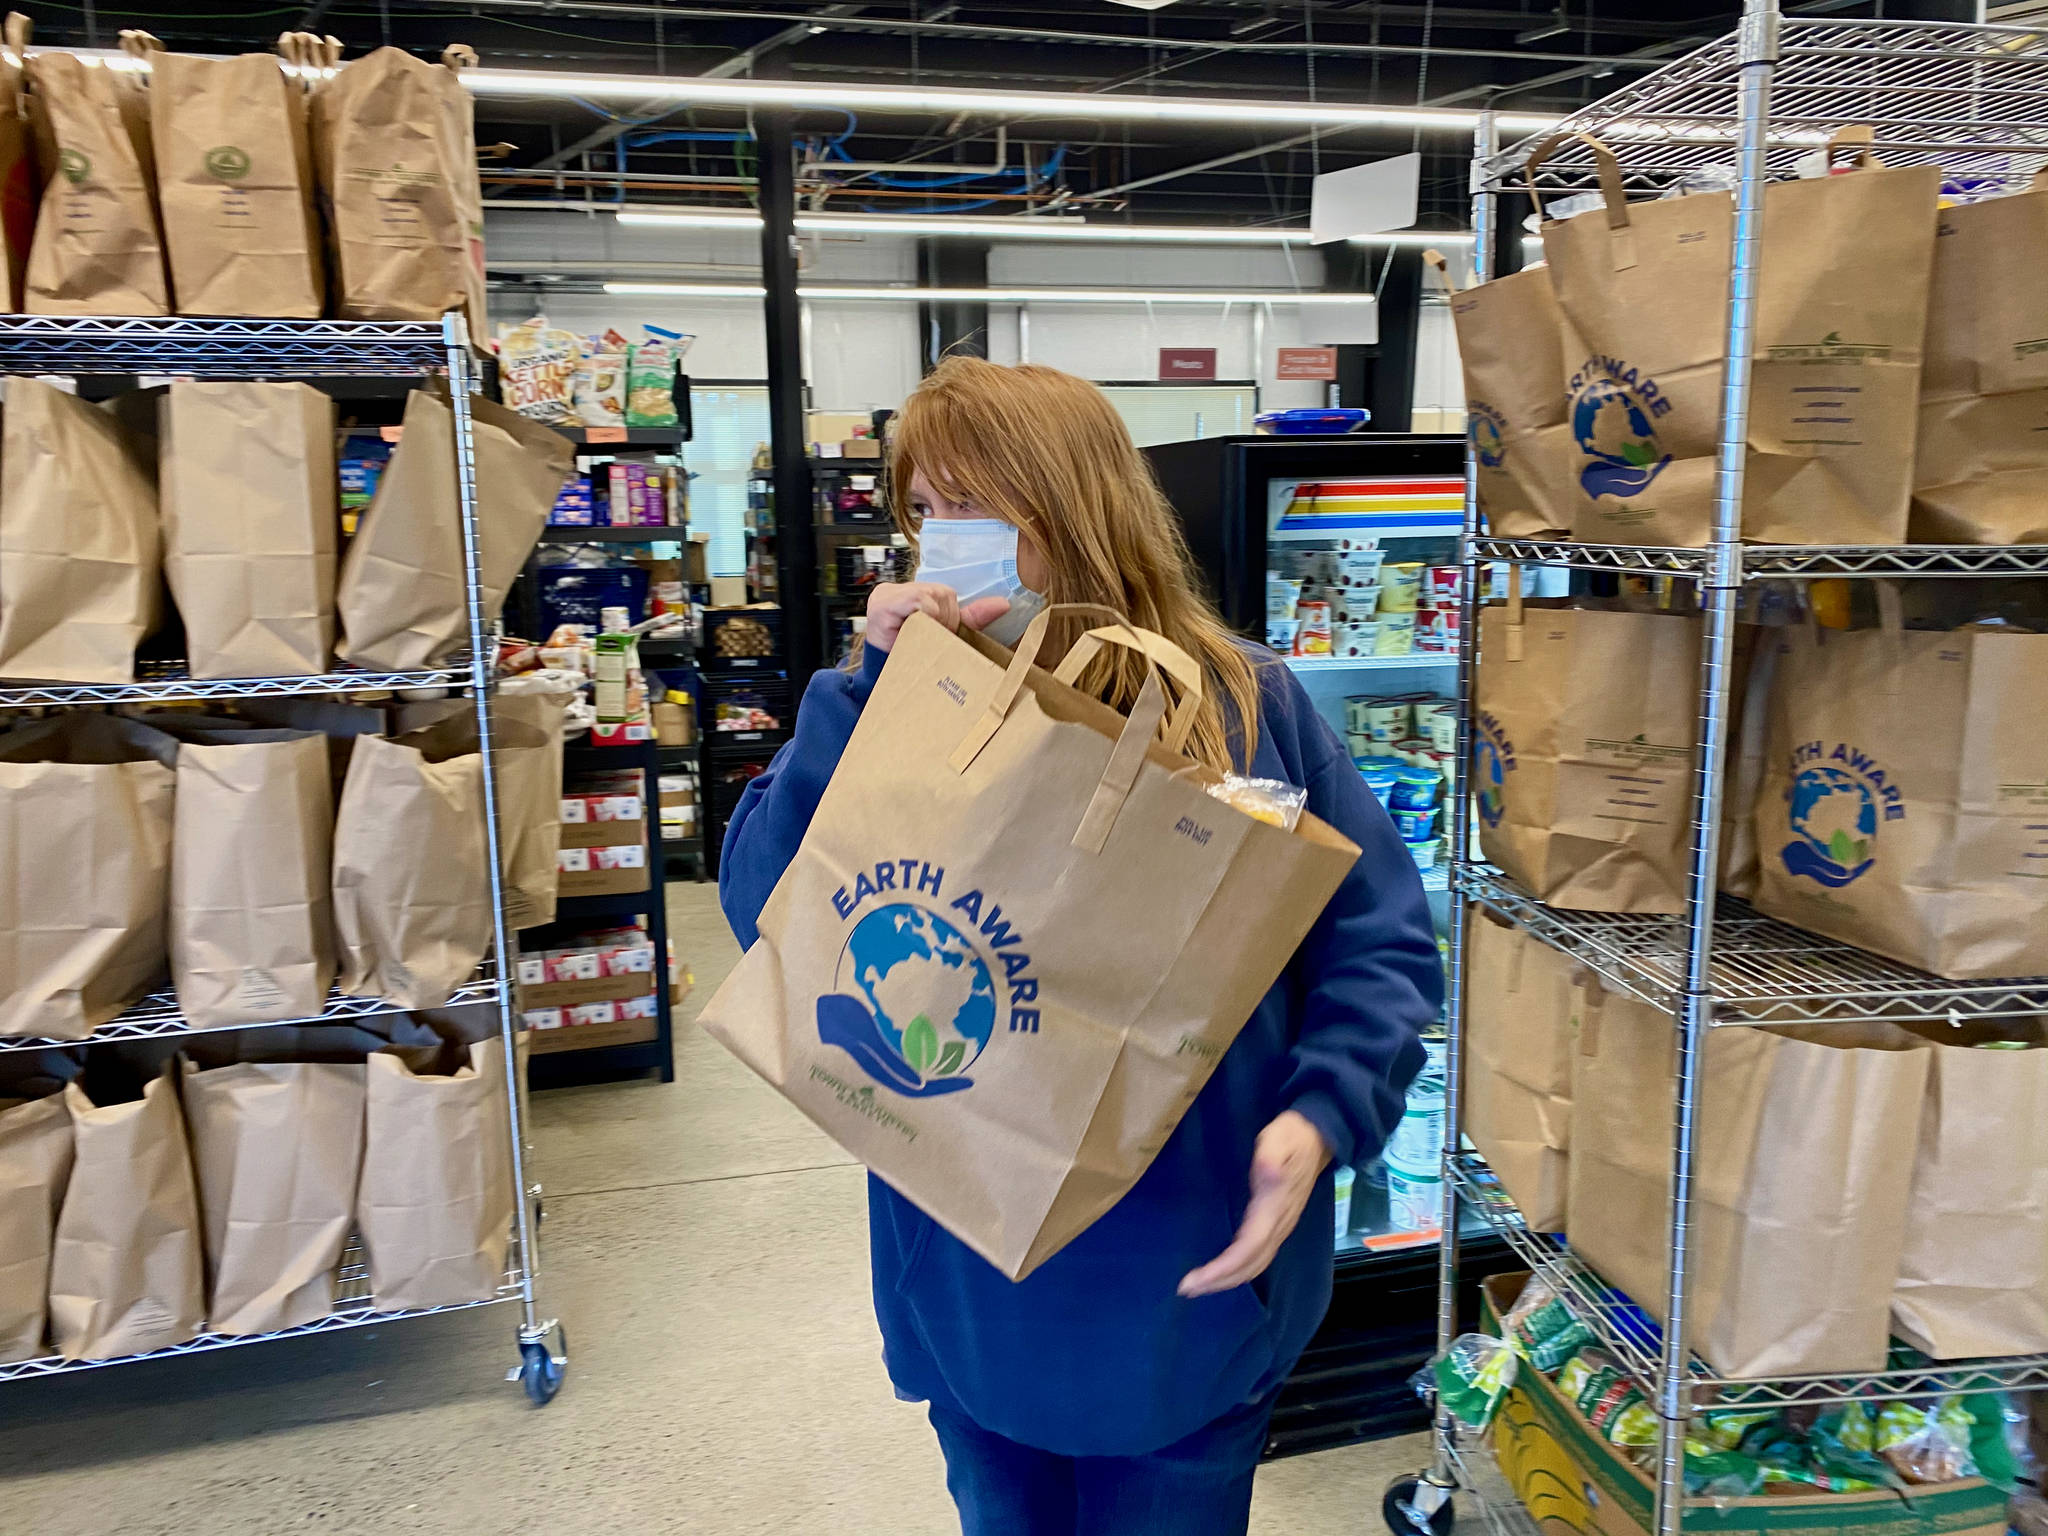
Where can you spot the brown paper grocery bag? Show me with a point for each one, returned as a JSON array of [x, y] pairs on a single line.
[[435, 1205], [395, 143], [1804, 1165], [1840, 320], [35, 1165], [20, 187], [234, 179], [80, 578], [251, 525], [402, 597], [252, 914], [97, 248], [411, 898], [1903, 795], [1511, 348], [1583, 752], [277, 1148], [1522, 1002], [88, 795], [1017, 937], [1974, 1279], [1981, 471], [127, 1274]]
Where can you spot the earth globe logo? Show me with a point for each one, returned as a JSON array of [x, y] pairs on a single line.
[[1492, 780], [1614, 433], [1487, 444], [914, 1003], [1834, 822]]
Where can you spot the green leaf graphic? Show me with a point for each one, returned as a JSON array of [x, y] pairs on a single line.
[[1638, 454], [949, 1058], [1842, 848], [920, 1045]]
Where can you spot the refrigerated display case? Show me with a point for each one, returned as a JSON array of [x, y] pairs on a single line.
[[1251, 507]]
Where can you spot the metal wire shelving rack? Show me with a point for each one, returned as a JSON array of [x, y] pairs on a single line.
[[1974, 100], [191, 347]]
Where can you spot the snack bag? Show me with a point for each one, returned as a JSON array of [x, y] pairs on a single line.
[[537, 366], [599, 386], [650, 383]]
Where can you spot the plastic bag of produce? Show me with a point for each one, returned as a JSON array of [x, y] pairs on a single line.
[[411, 902], [35, 1165], [1583, 752], [89, 795], [1472, 1376], [235, 186], [1841, 316], [402, 598], [251, 525], [127, 1273], [277, 1148], [435, 1204], [1521, 1013], [80, 555]]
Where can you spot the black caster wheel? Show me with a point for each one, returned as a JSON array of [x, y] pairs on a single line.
[[1397, 1506], [540, 1373]]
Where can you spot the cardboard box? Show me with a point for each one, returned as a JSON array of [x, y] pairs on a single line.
[[597, 989], [728, 591], [673, 725], [861, 448], [697, 559], [603, 834], [590, 1037], [1573, 1481], [602, 882]]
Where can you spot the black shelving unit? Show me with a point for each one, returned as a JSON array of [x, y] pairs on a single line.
[[572, 533]]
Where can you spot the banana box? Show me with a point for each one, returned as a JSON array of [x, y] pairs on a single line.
[[1574, 1483]]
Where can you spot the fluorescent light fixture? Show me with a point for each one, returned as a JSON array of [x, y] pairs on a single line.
[[994, 295], [1019, 228], [698, 90]]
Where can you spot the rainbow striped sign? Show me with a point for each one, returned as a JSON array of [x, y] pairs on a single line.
[[1379, 503]]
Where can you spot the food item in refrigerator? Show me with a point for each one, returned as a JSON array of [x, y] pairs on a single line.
[[1400, 586], [1313, 637], [1282, 593], [1355, 638], [1397, 634], [1273, 801], [1280, 634]]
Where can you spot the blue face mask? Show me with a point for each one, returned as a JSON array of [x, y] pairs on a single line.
[[977, 557]]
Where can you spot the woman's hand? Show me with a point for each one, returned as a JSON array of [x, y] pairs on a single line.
[[1286, 1163], [893, 602]]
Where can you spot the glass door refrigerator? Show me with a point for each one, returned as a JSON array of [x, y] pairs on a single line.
[[1341, 552]]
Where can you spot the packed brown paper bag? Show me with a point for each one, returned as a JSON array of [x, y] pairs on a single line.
[[1981, 474], [1511, 348], [1109, 927], [1522, 1002], [395, 144], [1803, 1170], [1583, 752], [97, 249], [277, 1148], [80, 577], [19, 186], [89, 795], [234, 174], [127, 1274], [1840, 320], [35, 1165], [436, 1203], [251, 525], [402, 597], [411, 898], [1903, 795]]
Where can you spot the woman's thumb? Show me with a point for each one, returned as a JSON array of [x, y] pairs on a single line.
[[983, 611]]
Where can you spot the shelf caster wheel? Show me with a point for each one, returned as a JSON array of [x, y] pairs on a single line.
[[540, 1371], [1433, 1515]]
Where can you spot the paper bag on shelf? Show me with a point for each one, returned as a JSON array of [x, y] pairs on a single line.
[[35, 1165], [19, 184], [402, 597], [127, 1274], [436, 1203], [80, 564], [277, 1148], [1803, 1174], [1521, 1019], [88, 795], [411, 896], [1583, 752], [251, 525], [1017, 938], [1840, 319]]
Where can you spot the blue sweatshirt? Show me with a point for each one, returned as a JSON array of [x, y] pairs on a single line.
[[1093, 1353]]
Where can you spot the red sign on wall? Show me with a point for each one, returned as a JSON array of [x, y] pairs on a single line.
[[1307, 363], [1187, 362]]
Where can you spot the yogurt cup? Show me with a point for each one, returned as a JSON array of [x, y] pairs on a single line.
[[1397, 634], [1400, 586], [1423, 851], [1282, 593], [1354, 637], [1280, 634]]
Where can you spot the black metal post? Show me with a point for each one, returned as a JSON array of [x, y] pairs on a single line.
[[796, 543], [949, 325]]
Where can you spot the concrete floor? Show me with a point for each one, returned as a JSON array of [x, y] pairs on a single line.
[[707, 1248]]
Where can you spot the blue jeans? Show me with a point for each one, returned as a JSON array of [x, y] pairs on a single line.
[[1200, 1486]]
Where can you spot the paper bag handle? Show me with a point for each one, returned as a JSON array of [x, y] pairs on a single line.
[[1620, 233], [457, 57], [138, 44], [1856, 136], [17, 28], [1176, 663], [1434, 260]]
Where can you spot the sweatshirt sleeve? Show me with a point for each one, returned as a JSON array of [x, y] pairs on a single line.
[[776, 810], [1369, 973]]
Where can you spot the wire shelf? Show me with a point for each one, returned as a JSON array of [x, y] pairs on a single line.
[[168, 680], [1777, 561], [1762, 971], [354, 1307], [216, 348], [157, 1016], [1971, 99], [1479, 1476], [1641, 558]]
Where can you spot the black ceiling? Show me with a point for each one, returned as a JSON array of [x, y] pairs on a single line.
[[1531, 54]]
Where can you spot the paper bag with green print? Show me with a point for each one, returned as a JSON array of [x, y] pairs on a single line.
[[1521, 1017]]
